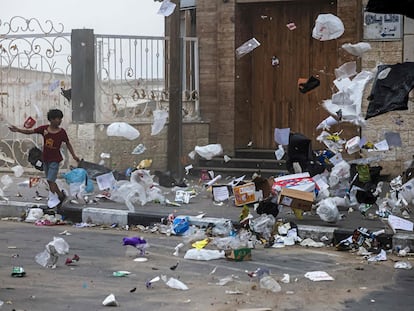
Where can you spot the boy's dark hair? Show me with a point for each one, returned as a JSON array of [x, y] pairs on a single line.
[[54, 113]]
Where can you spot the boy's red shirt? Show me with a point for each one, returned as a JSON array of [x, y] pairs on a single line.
[[52, 143]]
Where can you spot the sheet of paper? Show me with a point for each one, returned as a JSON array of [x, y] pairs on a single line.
[[282, 136], [393, 139], [220, 193], [382, 146], [105, 181], [396, 222]]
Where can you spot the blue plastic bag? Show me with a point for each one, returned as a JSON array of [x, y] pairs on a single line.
[[79, 175], [180, 225]]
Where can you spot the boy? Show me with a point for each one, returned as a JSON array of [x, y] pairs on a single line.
[[53, 136]]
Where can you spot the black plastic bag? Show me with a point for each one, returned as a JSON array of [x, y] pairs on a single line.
[[95, 170], [35, 158]]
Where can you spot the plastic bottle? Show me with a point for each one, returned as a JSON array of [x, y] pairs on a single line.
[[269, 283]]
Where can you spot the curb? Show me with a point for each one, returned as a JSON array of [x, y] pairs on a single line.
[[101, 216]]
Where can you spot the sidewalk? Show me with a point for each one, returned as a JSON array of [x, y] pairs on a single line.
[[108, 212]]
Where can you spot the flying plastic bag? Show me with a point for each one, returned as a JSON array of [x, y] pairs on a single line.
[[209, 151], [357, 49], [327, 27], [122, 129], [160, 117], [50, 255], [346, 103], [346, 70]]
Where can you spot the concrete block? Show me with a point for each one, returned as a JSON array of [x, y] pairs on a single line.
[[316, 232], [101, 216], [401, 240], [15, 208]]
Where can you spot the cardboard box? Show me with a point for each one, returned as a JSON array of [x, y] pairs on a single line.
[[300, 181], [240, 254], [244, 194], [296, 199]]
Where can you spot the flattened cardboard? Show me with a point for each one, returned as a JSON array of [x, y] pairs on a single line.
[[240, 254], [244, 194], [296, 199]]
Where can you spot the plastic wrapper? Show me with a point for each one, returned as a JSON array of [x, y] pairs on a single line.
[[263, 225], [50, 256], [122, 129], [247, 47], [269, 283], [176, 284]]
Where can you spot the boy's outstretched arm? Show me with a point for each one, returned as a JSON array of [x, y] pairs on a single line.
[[14, 128], [72, 152]]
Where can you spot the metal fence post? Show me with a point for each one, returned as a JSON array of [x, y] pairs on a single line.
[[83, 76]]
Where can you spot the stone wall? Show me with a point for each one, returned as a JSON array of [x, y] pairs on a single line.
[[90, 140], [391, 52]]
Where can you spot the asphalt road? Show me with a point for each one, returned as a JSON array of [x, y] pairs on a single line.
[[358, 285]]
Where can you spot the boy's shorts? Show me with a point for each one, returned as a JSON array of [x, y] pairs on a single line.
[[51, 170]]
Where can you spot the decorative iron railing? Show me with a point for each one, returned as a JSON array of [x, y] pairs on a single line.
[[34, 66], [132, 76], [132, 80]]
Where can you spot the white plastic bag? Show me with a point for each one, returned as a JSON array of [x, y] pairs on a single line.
[[209, 151], [327, 27], [160, 117], [357, 49], [177, 284], [34, 214], [204, 254], [122, 129], [328, 211], [18, 170]]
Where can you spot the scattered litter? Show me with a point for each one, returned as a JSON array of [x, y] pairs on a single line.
[[382, 256], [140, 259], [110, 301], [317, 276], [247, 47], [403, 265], [204, 254], [121, 273], [311, 243], [269, 283], [176, 284], [149, 283], [49, 257]]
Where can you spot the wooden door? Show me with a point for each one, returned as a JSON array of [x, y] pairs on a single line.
[[275, 98]]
